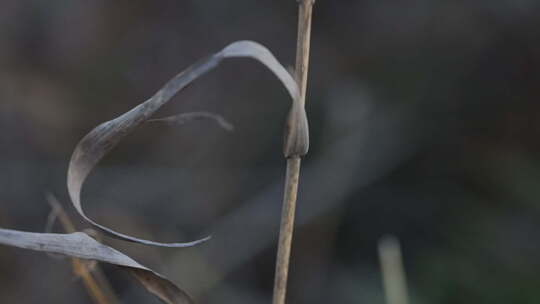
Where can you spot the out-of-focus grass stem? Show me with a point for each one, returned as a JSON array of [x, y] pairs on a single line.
[[393, 273]]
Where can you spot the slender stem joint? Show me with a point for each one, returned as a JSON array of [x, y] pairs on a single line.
[[296, 145]]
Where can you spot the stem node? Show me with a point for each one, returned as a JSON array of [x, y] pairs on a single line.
[[296, 145]]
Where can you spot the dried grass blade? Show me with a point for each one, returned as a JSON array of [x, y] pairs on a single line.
[[183, 118], [82, 246], [96, 144]]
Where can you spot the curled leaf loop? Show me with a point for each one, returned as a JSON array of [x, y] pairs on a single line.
[[96, 144]]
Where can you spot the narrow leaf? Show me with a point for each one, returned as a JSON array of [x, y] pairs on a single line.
[[82, 246], [183, 118], [96, 144]]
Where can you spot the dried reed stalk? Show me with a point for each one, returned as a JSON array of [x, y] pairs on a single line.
[[293, 161]]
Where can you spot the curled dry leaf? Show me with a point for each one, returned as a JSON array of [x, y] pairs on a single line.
[[96, 144], [82, 246]]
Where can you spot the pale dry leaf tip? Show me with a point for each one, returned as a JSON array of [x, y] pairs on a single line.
[[296, 142], [252, 49]]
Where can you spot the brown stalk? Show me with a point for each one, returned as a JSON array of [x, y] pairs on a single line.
[[293, 161], [98, 288]]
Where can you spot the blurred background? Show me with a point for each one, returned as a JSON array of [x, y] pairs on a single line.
[[424, 125]]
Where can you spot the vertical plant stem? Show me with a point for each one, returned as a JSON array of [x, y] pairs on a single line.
[[302, 45], [293, 162], [286, 230]]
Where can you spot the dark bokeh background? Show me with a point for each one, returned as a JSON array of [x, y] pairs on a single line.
[[424, 124]]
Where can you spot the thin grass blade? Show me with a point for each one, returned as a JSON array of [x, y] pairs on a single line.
[[80, 245], [96, 144]]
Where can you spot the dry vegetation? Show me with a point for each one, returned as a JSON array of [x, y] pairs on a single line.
[[102, 139]]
